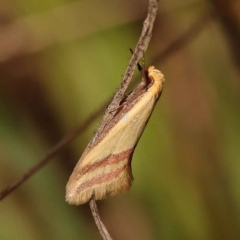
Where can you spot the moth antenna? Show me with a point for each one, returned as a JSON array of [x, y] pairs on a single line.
[[131, 50], [143, 69], [140, 69], [143, 61]]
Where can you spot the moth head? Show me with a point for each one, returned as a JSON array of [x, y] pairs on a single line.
[[155, 75]]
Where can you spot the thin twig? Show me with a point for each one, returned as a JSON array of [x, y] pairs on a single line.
[[140, 48], [101, 227]]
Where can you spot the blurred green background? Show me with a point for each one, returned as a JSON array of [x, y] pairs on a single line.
[[61, 60]]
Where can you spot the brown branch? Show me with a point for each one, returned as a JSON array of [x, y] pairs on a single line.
[[101, 227], [228, 13], [140, 48]]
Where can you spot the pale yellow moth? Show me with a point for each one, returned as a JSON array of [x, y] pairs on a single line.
[[105, 169]]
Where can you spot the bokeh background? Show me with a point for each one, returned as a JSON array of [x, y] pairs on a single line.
[[60, 60]]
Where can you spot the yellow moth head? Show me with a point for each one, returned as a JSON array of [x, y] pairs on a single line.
[[155, 75]]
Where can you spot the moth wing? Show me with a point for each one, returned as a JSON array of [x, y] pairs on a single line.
[[106, 169], [102, 172]]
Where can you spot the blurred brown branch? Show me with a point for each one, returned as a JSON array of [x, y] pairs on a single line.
[[37, 32], [52, 152], [140, 48], [228, 13]]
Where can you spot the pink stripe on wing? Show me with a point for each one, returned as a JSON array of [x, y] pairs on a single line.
[[109, 160]]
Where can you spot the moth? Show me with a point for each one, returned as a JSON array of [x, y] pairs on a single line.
[[104, 169]]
